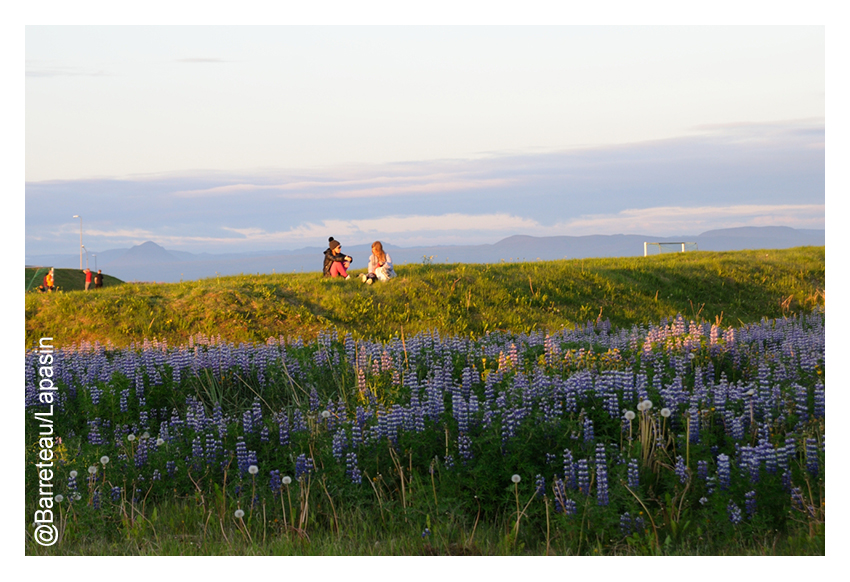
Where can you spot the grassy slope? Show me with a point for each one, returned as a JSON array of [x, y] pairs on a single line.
[[66, 279], [741, 286]]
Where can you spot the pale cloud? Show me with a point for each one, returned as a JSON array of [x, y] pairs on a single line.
[[384, 186], [671, 220], [385, 226]]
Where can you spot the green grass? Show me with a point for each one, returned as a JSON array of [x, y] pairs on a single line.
[[459, 299]]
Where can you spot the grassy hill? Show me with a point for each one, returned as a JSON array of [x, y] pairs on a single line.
[[741, 286], [66, 279]]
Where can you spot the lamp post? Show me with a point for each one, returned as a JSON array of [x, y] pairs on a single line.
[[81, 239], [87, 256], [95, 261]]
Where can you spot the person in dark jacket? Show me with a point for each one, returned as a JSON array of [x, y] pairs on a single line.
[[98, 279], [336, 264]]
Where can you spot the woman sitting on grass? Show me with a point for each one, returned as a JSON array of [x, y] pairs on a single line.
[[336, 263], [380, 265]]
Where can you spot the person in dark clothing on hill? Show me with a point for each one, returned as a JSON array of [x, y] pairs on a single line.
[[98, 279], [336, 263]]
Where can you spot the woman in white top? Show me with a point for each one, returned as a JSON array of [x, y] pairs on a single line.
[[380, 265]]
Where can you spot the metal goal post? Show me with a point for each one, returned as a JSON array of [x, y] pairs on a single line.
[[669, 247]]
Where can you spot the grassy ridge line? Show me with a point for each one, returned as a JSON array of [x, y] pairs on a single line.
[[740, 286]]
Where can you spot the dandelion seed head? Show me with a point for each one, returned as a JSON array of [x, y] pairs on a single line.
[[131, 437], [59, 498], [287, 480], [630, 415], [73, 474], [647, 404], [92, 469], [253, 469], [104, 459], [665, 412], [516, 478], [239, 514], [326, 414], [160, 442]]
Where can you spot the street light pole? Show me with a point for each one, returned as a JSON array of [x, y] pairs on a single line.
[[87, 255], [81, 239]]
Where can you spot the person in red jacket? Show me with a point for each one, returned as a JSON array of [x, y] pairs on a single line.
[[88, 278], [336, 263]]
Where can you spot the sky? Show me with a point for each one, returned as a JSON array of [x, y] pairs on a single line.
[[219, 139]]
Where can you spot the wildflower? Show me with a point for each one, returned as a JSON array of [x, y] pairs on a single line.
[[92, 470], [253, 469], [160, 442], [239, 514], [647, 404], [59, 498], [131, 437], [77, 496], [326, 414], [703, 500], [103, 460], [73, 474], [630, 415], [425, 533], [516, 478], [665, 412], [734, 513], [287, 480]]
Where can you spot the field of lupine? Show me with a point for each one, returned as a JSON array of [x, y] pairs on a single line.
[[677, 437]]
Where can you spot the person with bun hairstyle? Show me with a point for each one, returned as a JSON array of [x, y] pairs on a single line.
[[380, 265], [336, 264]]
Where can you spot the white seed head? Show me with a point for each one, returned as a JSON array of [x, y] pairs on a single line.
[[630, 415], [146, 435], [516, 478], [131, 437], [287, 480], [73, 474], [239, 513], [160, 442], [665, 412], [647, 404], [253, 469], [93, 469], [641, 407], [104, 459], [326, 414], [77, 496], [59, 498]]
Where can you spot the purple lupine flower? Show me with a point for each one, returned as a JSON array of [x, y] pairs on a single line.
[[750, 504], [633, 474], [351, 468], [539, 486], [601, 475], [723, 471], [464, 446], [583, 472], [734, 513], [812, 456], [680, 469]]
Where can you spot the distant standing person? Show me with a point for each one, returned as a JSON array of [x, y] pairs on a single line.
[[88, 278], [336, 264], [380, 265], [98, 279], [49, 283]]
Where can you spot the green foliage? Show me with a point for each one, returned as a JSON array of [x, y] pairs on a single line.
[[454, 299]]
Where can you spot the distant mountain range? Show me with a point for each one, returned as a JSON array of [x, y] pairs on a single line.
[[151, 262]]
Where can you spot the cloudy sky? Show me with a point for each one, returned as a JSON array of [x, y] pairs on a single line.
[[221, 139]]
